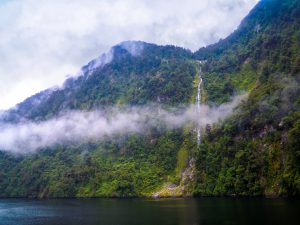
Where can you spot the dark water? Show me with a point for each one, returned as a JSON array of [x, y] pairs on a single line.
[[215, 211]]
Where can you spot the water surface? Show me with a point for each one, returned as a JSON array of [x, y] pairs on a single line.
[[202, 211]]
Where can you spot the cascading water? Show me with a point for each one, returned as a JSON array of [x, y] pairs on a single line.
[[198, 103]]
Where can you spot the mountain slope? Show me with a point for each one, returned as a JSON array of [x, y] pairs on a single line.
[[256, 151], [138, 73]]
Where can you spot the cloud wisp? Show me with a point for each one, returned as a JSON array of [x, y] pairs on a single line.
[[78, 126]]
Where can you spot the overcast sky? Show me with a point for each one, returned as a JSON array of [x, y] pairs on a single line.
[[42, 41]]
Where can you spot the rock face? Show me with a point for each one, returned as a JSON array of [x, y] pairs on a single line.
[[185, 187]]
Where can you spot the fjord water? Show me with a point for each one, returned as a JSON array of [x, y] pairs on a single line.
[[201, 211]]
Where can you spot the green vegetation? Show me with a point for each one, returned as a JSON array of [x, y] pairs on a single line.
[[134, 167], [127, 166], [256, 151]]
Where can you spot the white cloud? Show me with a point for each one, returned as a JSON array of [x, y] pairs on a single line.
[[41, 41], [80, 126]]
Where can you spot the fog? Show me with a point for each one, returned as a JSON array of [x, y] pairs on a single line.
[[83, 126]]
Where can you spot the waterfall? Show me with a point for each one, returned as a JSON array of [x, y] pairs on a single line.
[[198, 103]]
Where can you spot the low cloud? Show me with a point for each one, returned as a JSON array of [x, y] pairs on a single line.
[[78, 126]]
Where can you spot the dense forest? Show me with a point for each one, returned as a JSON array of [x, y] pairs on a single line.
[[254, 152]]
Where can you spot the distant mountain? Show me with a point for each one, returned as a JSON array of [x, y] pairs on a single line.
[[256, 151], [130, 73]]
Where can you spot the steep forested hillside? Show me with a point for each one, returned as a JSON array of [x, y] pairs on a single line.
[[130, 165], [138, 73], [256, 151]]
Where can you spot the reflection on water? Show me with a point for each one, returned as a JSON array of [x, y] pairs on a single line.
[[202, 211]]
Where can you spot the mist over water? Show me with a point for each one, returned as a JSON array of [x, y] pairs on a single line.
[[81, 126]]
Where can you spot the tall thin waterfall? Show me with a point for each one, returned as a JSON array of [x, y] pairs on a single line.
[[198, 103]]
